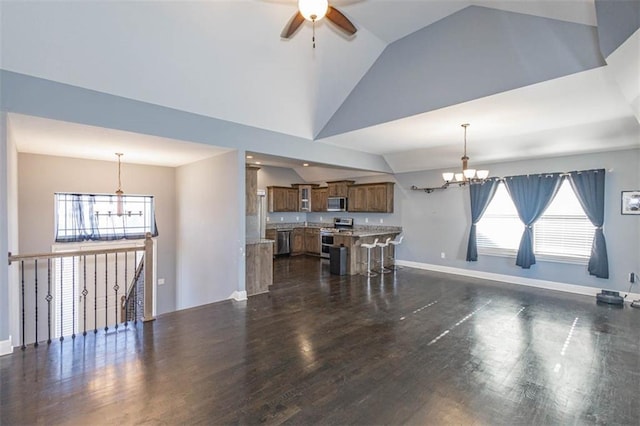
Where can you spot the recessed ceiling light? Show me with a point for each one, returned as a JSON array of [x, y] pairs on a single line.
[[257, 162], [305, 165], [249, 157]]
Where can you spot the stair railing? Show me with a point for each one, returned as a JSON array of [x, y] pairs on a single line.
[[95, 278], [133, 299]]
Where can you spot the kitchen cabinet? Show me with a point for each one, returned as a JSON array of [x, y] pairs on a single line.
[[298, 241], [339, 188], [319, 199], [312, 240], [305, 201], [282, 199], [371, 197], [251, 185], [259, 267], [270, 234]]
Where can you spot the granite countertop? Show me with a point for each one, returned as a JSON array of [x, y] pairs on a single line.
[[358, 230], [260, 241], [372, 232], [286, 225]]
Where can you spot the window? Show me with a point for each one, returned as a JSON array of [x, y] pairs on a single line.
[[562, 233], [92, 217]]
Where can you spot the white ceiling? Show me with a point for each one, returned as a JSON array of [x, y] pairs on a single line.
[[51, 137], [225, 59]]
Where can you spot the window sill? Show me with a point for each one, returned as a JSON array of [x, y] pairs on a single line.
[[542, 257]]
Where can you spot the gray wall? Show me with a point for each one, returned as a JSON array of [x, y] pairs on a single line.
[[13, 221], [439, 222], [210, 247], [40, 176], [44, 98], [4, 235]]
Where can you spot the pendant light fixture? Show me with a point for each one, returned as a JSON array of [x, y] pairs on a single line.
[[463, 177], [119, 192]]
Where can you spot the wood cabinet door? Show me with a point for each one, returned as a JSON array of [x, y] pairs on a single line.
[[339, 188], [373, 198], [291, 200], [297, 244], [251, 186], [279, 203], [319, 200], [376, 198], [312, 241], [357, 201], [270, 234]]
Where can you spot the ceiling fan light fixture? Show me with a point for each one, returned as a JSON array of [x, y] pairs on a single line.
[[313, 10]]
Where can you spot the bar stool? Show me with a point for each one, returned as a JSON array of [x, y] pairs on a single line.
[[382, 246], [395, 243], [369, 273]]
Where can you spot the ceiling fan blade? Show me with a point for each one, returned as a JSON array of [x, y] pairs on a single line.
[[293, 25], [335, 16]]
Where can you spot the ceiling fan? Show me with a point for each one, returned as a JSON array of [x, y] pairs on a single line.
[[314, 10]]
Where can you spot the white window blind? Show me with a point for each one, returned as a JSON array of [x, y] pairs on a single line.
[[563, 233]]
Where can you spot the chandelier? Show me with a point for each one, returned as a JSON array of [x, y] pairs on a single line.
[[463, 177]]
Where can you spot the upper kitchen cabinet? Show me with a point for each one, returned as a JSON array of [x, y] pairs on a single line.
[[319, 199], [282, 199], [305, 199], [371, 197], [251, 185], [339, 188]]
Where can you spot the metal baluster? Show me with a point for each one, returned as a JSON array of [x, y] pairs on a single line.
[[61, 298], [84, 295], [106, 293], [116, 287], [126, 289], [73, 297], [35, 344], [23, 347], [48, 299], [95, 293], [135, 297]]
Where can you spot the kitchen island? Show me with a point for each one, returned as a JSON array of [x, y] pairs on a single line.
[[357, 256], [259, 266], [351, 238]]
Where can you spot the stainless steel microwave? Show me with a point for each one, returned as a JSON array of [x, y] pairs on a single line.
[[337, 204]]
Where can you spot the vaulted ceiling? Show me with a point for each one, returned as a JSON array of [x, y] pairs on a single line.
[[534, 78]]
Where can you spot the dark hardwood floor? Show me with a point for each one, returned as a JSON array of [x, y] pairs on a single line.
[[414, 347]]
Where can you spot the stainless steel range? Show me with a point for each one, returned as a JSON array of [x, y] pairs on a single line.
[[343, 225]]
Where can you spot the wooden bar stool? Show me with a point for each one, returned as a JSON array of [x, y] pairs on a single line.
[[395, 243], [382, 246], [369, 273]]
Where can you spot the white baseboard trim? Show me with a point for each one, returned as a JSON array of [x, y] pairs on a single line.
[[6, 347], [530, 282], [238, 296]]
